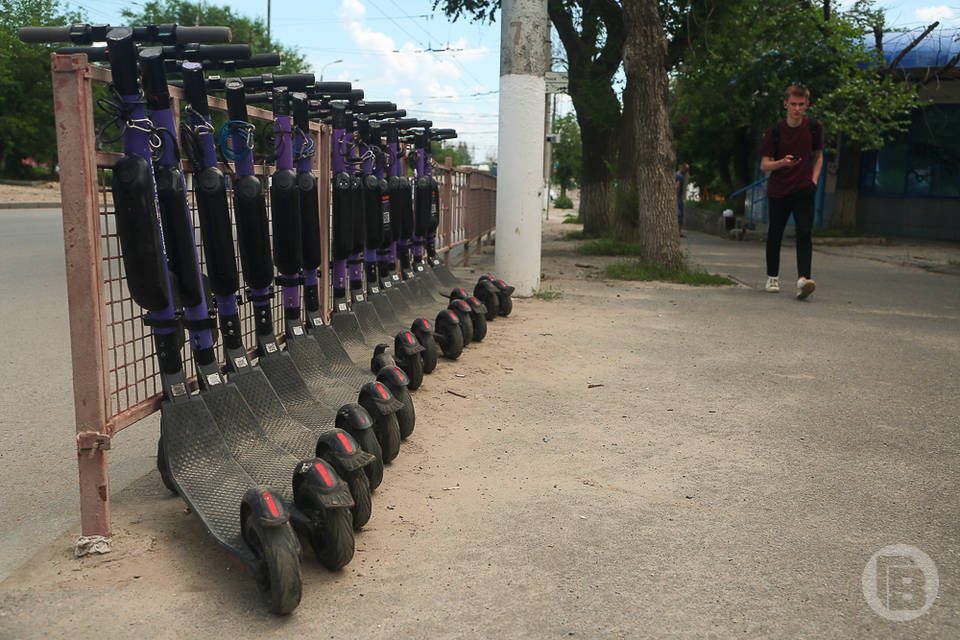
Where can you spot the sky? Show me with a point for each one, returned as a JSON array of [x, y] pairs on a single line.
[[400, 50]]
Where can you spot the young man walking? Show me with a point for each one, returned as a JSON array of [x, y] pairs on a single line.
[[792, 151]]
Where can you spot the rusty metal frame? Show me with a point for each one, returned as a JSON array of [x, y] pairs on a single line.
[[100, 317]]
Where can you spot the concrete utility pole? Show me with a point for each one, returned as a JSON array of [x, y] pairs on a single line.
[[523, 62]]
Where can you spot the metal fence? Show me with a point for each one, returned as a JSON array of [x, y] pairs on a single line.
[[115, 379]]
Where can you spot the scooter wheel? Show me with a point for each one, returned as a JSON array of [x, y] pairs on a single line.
[[413, 367], [332, 538], [430, 354], [164, 467], [360, 490], [479, 327], [278, 574], [407, 416], [466, 328], [387, 429], [491, 301], [452, 342], [506, 305], [367, 440]]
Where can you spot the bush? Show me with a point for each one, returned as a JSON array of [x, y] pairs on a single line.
[[563, 202], [637, 270]]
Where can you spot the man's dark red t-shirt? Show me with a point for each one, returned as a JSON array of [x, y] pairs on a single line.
[[795, 141]]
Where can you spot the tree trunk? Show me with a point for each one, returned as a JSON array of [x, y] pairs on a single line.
[[848, 187], [596, 171], [646, 204]]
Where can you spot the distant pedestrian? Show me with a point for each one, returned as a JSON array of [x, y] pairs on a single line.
[[792, 151], [680, 180]]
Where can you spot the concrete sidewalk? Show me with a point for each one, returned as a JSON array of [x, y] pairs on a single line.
[[627, 460]]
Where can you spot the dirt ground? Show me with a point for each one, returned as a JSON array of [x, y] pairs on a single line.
[[47, 192], [625, 460]]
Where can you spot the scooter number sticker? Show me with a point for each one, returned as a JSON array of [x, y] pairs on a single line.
[[342, 306], [298, 331], [420, 267], [178, 389], [374, 289], [271, 348], [359, 298], [317, 322], [239, 362], [213, 379], [387, 284]]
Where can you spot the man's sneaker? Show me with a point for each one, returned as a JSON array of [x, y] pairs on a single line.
[[805, 287], [773, 284]]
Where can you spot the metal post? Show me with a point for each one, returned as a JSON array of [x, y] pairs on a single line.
[[72, 95]]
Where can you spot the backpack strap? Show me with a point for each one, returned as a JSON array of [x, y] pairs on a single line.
[[775, 136], [816, 132]]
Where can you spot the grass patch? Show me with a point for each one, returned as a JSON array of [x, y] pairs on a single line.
[[578, 235], [955, 263], [607, 247], [571, 219], [637, 270], [842, 232], [548, 294], [563, 202]]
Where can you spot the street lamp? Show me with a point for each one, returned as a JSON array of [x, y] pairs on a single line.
[[327, 65]]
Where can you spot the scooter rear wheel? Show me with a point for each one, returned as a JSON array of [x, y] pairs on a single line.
[[360, 490], [387, 430], [431, 353], [332, 539], [407, 416], [278, 576], [367, 440], [413, 367], [479, 327], [452, 342], [506, 305]]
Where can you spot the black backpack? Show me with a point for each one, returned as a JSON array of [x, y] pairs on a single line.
[[816, 132]]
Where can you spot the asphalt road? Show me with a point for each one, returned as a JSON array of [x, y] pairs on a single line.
[[38, 468]]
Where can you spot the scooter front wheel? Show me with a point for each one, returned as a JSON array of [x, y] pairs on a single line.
[[407, 416], [387, 429], [278, 575], [367, 440], [413, 367], [360, 490]]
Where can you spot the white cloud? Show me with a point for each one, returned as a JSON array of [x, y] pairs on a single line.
[[938, 12]]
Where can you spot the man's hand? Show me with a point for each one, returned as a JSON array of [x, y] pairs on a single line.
[[789, 161]]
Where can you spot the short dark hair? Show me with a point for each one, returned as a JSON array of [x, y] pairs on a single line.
[[797, 90]]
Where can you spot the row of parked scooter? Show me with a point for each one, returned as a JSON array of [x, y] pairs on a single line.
[[294, 440]]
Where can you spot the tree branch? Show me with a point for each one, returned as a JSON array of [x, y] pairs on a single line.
[[891, 68]]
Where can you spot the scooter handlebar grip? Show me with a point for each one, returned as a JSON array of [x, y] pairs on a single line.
[[44, 34], [375, 107], [257, 98], [94, 54], [203, 34], [259, 60], [333, 87]]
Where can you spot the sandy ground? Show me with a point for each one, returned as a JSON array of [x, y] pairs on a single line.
[[45, 192], [626, 460]]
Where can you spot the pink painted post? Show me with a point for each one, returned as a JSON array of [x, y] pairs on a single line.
[[73, 109], [322, 159]]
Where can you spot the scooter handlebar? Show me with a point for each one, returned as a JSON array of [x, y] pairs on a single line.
[[192, 52], [90, 33], [375, 107]]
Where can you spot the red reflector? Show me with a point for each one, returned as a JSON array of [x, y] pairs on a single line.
[[462, 292], [271, 505], [409, 338], [426, 323], [346, 442], [324, 474], [473, 299], [383, 392]]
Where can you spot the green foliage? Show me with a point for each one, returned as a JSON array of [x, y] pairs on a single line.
[[548, 294], [609, 247], [637, 270], [460, 153], [729, 88], [571, 219], [710, 205], [567, 153], [252, 31], [26, 97], [564, 202]]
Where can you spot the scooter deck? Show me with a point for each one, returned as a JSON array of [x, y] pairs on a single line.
[[278, 424], [397, 300], [206, 475], [386, 312], [370, 323], [326, 369], [263, 460], [445, 276], [347, 326]]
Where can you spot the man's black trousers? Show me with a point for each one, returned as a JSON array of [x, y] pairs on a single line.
[[800, 204]]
